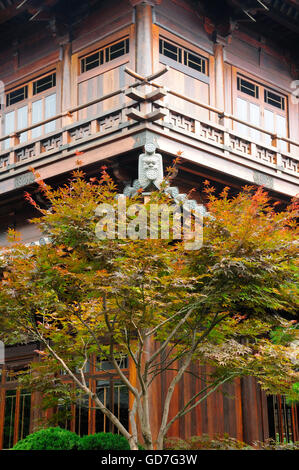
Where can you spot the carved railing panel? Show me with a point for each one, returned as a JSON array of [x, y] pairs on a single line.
[[211, 133], [80, 132], [236, 143], [265, 155], [25, 153], [4, 159], [109, 122], [52, 143], [239, 144], [290, 164], [183, 123], [214, 131]]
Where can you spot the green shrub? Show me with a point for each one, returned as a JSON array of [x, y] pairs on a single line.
[[49, 439], [176, 443], [271, 444], [103, 441], [205, 442]]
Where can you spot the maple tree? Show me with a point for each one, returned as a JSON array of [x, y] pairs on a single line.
[[225, 304]]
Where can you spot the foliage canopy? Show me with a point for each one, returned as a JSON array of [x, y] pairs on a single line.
[[228, 304]]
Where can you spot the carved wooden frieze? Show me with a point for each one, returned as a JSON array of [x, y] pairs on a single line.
[[80, 132], [109, 122], [211, 133], [25, 153], [290, 164], [52, 143], [239, 144], [4, 159], [182, 122], [265, 155]]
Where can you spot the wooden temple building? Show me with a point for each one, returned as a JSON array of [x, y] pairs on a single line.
[[220, 82]]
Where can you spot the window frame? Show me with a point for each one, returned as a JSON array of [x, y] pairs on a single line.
[[31, 98], [92, 377], [101, 46], [180, 66], [13, 386], [260, 102]]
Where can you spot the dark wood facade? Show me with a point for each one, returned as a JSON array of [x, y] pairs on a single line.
[[227, 99]]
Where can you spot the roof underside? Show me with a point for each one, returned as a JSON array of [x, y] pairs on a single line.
[[275, 21]]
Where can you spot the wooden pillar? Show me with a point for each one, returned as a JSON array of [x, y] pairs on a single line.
[[36, 414], [66, 80], [66, 75], [143, 35], [144, 42], [219, 75]]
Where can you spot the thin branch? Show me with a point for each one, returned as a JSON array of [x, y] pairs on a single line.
[[170, 336], [161, 324]]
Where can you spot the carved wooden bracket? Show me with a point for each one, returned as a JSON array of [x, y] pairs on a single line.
[[159, 113], [154, 95]]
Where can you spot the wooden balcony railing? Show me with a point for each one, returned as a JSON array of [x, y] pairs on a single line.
[[215, 133]]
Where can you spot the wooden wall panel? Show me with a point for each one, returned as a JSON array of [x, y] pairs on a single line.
[[110, 17], [180, 18], [98, 86], [251, 58], [254, 411], [189, 87], [238, 408]]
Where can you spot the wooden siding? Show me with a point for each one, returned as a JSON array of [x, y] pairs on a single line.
[[238, 408], [178, 80], [180, 18]]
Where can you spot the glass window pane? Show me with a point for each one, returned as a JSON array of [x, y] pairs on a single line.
[[103, 393], [116, 50], [254, 118], [195, 62], [269, 125], [44, 83], [9, 418], [274, 99], [121, 403], [37, 115], [170, 50], [9, 126], [16, 95], [247, 87], [281, 129], [90, 62], [22, 121], [24, 416], [242, 112], [50, 111]]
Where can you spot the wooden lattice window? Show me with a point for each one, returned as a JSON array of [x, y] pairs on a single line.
[[263, 107], [104, 55], [183, 56], [29, 104]]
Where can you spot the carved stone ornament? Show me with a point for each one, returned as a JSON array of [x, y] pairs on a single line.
[[150, 172], [150, 177]]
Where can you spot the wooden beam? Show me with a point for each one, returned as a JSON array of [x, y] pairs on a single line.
[[283, 21]]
